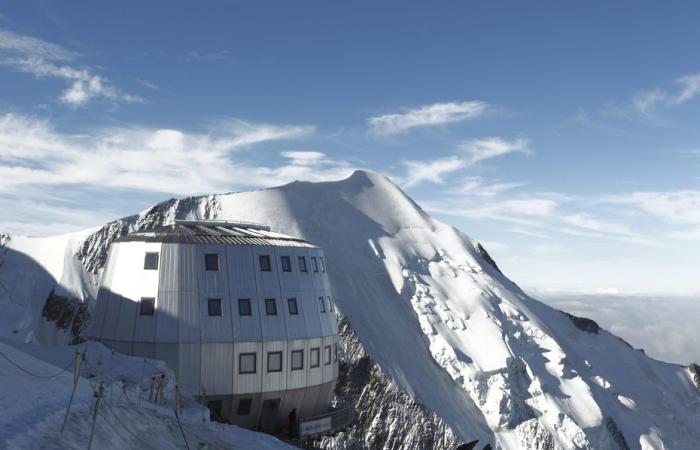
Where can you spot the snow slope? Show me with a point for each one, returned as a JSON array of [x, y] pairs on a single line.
[[433, 310]]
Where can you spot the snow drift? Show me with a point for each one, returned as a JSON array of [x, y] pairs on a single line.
[[428, 305]]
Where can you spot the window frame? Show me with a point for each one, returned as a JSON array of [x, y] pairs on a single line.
[[291, 359], [248, 402], [302, 264], [268, 265], [327, 355], [240, 363], [145, 261], [314, 264], [273, 302], [322, 304], [292, 301], [287, 268], [335, 352], [250, 307], [152, 301], [207, 260], [281, 365], [316, 350], [221, 306], [323, 264], [330, 303]]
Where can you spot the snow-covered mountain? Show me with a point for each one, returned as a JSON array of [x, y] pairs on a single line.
[[444, 346]]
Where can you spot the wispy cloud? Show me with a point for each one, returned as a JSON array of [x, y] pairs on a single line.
[[687, 88], [428, 115], [492, 147], [44, 59]]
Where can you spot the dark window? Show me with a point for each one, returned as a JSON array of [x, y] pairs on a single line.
[[315, 357], [327, 354], [297, 359], [247, 363], [321, 304], [292, 303], [244, 406], [147, 306], [244, 307], [265, 265], [335, 352], [151, 261], [215, 307], [274, 361], [270, 306], [314, 263], [286, 264], [302, 264], [211, 261], [330, 303], [323, 264], [215, 407]]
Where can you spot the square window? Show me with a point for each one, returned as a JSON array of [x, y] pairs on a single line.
[[330, 303], [315, 357], [211, 261], [150, 262], [286, 264], [323, 264], [274, 361], [147, 306], [327, 355], [265, 264], [302, 264], [293, 309], [314, 263], [244, 406], [247, 363], [215, 307], [297, 359], [270, 306], [321, 304], [244, 308]]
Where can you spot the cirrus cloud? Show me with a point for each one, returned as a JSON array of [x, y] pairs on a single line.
[[427, 115]]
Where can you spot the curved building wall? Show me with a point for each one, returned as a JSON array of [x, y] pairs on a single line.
[[212, 353]]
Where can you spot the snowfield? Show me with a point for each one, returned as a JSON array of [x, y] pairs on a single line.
[[427, 303]]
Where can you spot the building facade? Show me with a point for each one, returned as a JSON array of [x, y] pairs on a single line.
[[244, 316]]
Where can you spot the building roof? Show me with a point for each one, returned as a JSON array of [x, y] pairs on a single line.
[[215, 232]]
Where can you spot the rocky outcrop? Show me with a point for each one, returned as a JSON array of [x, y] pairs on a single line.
[[616, 434], [584, 324], [69, 314], [486, 257], [92, 253], [694, 370], [388, 418]]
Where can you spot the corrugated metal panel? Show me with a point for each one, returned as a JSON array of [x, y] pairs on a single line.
[[166, 318], [327, 368], [217, 368], [104, 293], [144, 350], [273, 326], [275, 381], [314, 374], [188, 267], [288, 281], [308, 407], [246, 328], [241, 269], [309, 311], [189, 367], [247, 383], [215, 328], [167, 353], [296, 379], [212, 280]]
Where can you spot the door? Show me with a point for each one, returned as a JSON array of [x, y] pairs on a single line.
[[268, 415]]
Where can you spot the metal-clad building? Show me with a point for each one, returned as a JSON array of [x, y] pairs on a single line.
[[240, 313]]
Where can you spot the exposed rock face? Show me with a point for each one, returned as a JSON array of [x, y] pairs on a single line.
[[388, 418], [92, 253], [68, 314], [694, 370], [616, 434], [584, 324], [485, 255]]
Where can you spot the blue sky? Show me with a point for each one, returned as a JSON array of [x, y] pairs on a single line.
[[563, 135]]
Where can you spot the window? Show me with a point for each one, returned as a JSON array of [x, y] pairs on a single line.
[[247, 363], [315, 357], [147, 306], [314, 263], [297, 359], [265, 265], [321, 304], [244, 406], [215, 307], [244, 307], [150, 262], [323, 264], [211, 261], [274, 361], [335, 352], [302, 264], [286, 264], [292, 303], [270, 306], [330, 303], [215, 407], [327, 355]]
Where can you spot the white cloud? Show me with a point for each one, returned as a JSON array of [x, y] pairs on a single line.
[[478, 186], [434, 114], [46, 60], [486, 148], [304, 157], [33, 154], [432, 171], [647, 101]]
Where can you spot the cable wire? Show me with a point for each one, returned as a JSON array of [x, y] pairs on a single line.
[[33, 374]]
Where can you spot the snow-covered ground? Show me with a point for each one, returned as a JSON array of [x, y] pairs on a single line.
[[32, 406], [432, 310]]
